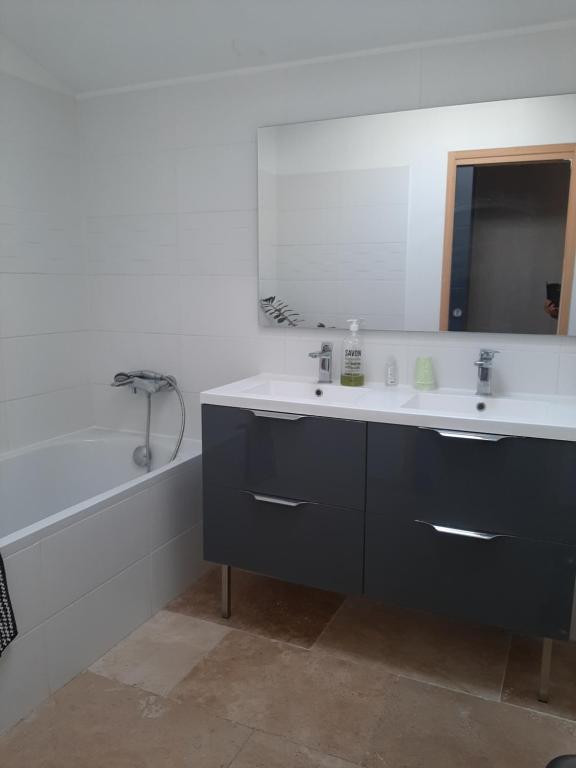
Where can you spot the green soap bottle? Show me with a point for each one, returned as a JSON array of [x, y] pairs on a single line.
[[352, 374]]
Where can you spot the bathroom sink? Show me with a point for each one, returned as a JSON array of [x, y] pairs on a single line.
[[530, 416], [480, 407], [299, 391]]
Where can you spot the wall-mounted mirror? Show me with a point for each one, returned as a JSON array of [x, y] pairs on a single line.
[[454, 218]]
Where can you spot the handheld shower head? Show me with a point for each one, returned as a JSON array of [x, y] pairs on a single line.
[[122, 379]]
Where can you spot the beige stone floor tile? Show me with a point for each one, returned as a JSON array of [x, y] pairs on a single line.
[[265, 751], [263, 606], [95, 723], [161, 652], [423, 726], [453, 654], [522, 677], [323, 702]]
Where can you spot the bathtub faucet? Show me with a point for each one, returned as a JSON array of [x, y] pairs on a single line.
[[148, 383], [144, 381]]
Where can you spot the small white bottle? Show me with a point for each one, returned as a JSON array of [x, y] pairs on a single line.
[[391, 373], [352, 360]]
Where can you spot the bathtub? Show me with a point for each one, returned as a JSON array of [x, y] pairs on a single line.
[[93, 546]]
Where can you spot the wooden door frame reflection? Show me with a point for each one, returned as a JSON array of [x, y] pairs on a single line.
[[503, 155]]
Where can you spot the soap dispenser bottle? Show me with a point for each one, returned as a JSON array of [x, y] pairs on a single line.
[[352, 374]]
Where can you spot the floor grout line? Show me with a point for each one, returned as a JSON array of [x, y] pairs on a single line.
[[329, 622], [296, 743], [392, 673], [505, 671], [241, 747]]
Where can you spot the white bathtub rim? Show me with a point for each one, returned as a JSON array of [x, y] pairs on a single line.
[[29, 535]]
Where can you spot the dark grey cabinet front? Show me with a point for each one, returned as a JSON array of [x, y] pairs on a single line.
[[292, 456], [483, 530], [518, 486], [471, 529], [304, 542]]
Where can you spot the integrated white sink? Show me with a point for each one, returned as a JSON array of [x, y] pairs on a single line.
[[547, 417], [304, 391], [508, 408]]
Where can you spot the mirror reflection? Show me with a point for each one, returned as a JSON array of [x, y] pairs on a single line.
[[456, 218]]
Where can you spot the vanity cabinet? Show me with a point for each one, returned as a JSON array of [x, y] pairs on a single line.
[[480, 527], [284, 495], [473, 526]]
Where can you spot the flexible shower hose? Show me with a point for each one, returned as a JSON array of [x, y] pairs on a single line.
[[182, 420]]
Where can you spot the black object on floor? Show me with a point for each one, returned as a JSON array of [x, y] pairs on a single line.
[[566, 761], [8, 629]]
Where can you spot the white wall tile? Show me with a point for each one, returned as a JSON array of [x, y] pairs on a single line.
[[218, 243], [175, 505], [85, 630], [80, 557], [174, 567], [126, 123], [136, 303], [567, 375], [32, 304], [527, 371], [132, 244], [4, 442], [23, 574], [24, 678], [32, 419], [193, 415], [40, 364], [209, 361], [219, 178], [219, 306], [132, 184]]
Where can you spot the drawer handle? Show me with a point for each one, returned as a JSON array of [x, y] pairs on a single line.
[[278, 415], [279, 501], [460, 532], [485, 436]]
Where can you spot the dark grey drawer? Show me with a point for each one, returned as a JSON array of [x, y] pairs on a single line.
[[519, 486], [300, 457], [522, 585], [313, 544]]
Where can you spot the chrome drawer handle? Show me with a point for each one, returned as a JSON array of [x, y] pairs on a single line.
[[485, 436], [279, 501], [278, 415], [461, 532]]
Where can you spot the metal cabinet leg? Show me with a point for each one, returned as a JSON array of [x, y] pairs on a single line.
[[545, 667], [226, 591]]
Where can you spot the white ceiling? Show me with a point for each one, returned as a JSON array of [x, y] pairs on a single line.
[[97, 44]]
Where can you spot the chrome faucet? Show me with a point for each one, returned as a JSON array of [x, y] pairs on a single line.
[[325, 359], [484, 365]]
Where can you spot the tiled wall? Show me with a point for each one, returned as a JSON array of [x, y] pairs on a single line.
[[167, 277], [172, 218], [43, 290]]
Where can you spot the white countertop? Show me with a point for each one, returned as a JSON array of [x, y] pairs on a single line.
[[551, 417]]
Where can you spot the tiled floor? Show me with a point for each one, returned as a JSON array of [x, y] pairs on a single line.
[[300, 678]]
